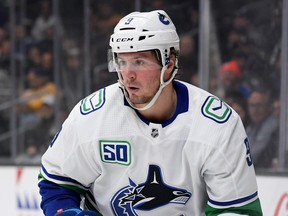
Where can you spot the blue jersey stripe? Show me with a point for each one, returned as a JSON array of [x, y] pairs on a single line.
[[61, 178], [233, 202]]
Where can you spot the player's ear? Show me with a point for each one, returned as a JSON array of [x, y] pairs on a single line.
[[170, 67], [171, 64]]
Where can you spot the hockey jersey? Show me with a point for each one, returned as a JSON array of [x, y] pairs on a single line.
[[121, 164]]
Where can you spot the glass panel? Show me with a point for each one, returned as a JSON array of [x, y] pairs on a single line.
[[246, 70], [70, 62]]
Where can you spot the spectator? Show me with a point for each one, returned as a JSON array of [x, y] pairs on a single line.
[[32, 97], [231, 78], [22, 41], [47, 64], [239, 104], [33, 57], [188, 59], [36, 112], [238, 35], [46, 45], [37, 139], [262, 128], [44, 21], [104, 18]]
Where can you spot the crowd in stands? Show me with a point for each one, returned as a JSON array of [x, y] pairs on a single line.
[[247, 79], [250, 73]]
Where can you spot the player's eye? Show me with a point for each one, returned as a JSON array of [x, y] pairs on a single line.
[[139, 62], [121, 63]]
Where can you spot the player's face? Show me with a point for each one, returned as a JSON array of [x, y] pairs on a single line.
[[258, 107], [140, 72]]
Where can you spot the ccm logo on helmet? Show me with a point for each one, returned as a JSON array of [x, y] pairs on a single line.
[[124, 39]]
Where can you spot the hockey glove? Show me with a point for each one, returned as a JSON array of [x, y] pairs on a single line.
[[76, 212]]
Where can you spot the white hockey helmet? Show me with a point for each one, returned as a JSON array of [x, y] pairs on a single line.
[[143, 31]]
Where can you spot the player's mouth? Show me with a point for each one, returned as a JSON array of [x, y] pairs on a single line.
[[132, 89]]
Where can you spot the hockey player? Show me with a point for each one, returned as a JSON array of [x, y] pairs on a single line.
[[149, 144]]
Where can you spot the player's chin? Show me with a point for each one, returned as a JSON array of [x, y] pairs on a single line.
[[139, 101], [136, 101]]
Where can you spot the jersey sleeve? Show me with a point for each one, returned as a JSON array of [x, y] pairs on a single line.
[[55, 197], [68, 167], [229, 173]]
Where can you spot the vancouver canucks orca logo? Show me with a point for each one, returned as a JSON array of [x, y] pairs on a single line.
[[147, 196], [163, 19]]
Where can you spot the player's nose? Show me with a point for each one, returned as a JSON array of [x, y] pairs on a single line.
[[129, 72]]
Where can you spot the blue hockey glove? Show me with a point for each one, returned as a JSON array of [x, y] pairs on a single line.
[[76, 212]]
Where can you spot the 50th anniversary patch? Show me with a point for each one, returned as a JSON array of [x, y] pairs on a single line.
[[118, 152], [216, 110]]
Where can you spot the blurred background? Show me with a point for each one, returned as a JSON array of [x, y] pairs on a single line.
[[53, 53]]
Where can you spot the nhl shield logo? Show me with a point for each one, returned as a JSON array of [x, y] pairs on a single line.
[[154, 132]]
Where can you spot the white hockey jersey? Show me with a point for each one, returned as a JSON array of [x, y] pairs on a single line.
[[126, 165]]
